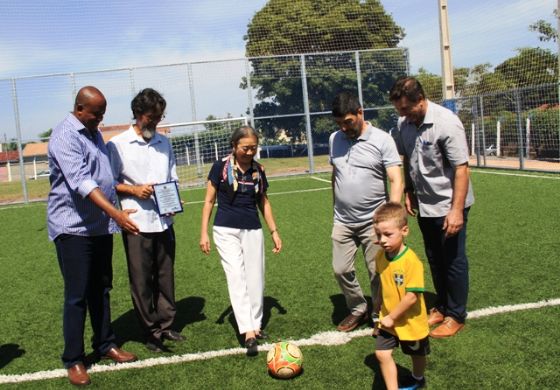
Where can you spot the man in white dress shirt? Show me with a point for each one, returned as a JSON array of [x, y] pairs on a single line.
[[140, 158]]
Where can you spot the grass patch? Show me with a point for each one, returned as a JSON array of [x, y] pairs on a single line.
[[512, 247]]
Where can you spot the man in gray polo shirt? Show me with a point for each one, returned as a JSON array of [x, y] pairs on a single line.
[[362, 157], [432, 140]]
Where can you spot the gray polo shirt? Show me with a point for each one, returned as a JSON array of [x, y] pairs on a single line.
[[433, 151], [359, 167]]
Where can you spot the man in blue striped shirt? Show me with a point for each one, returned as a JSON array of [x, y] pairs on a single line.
[[81, 217]]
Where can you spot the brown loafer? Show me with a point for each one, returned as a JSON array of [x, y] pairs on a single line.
[[78, 376], [119, 356], [351, 322], [450, 327], [435, 317]]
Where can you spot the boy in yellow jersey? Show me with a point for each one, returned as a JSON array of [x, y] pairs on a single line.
[[403, 316]]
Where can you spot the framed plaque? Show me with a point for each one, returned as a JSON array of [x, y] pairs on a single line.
[[167, 198]]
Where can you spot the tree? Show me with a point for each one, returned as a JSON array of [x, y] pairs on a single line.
[[313, 26], [431, 84], [531, 66], [545, 29], [45, 135]]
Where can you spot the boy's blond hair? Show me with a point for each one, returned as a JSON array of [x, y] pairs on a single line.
[[391, 211]]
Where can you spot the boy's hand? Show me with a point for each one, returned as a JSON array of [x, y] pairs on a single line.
[[387, 322]]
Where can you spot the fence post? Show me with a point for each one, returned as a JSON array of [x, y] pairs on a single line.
[[498, 138], [193, 112], [73, 82], [519, 130], [131, 80], [528, 137], [307, 115], [476, 119], [359, 78], [472, 138], [482, 130], [249, 92], [18, 132]]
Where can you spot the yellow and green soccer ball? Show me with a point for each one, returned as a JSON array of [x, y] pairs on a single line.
[[284, 360]]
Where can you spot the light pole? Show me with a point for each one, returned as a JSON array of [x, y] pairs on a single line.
[[445, 46]]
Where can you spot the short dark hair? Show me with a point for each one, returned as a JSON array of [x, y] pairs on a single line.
[[147, 100], [407, 87], [345, 103], [242, 132]]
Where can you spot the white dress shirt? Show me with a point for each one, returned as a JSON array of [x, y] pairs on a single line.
[[135, 162]]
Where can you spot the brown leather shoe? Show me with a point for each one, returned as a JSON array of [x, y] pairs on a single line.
[[78, 376], [351, 322], [119, 356], [450, 327], [435, 317]]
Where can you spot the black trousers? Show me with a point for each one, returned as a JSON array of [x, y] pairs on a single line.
[[85, 263], [448, 264], [151, 258]]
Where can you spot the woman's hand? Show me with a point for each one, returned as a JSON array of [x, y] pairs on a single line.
[[204, 243], [277, 242]]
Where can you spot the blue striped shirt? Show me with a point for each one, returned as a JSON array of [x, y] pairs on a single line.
[[78, 163]]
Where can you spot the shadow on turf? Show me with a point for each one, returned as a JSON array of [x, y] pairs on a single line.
[[189, 310], [269, 304], [9, 352], [340, 311], [378, 382]]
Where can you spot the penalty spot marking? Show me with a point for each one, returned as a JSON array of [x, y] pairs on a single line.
[[323, 338]]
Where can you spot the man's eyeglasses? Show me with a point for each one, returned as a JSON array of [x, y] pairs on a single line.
[[153, 118]]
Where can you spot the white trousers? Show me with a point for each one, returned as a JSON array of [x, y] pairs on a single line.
[[242, 253]]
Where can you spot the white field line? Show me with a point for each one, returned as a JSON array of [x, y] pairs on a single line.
[[557, 177], [321, 179], [324, 339]]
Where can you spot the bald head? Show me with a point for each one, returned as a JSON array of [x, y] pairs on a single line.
[[89, 107]]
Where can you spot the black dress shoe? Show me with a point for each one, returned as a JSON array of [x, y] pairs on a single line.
[[252, 346], [262, 335], [155, 345], [173, 335]]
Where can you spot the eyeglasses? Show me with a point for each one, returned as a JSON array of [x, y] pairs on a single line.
[[246, 149], [154, 119]]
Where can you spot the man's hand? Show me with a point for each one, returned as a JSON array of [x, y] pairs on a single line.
[[123, 220], [453, 222], [143, 191], [411, 203]]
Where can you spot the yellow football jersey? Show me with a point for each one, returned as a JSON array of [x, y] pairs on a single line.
[[402, 274]]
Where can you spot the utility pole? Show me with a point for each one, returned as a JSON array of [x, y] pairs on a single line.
[[445, 46]]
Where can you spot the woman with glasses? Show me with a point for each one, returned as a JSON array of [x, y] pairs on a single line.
[[239, 184]]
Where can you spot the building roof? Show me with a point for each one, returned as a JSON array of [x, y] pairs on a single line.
[[9, 155]]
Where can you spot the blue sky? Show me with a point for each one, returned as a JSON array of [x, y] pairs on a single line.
[[53, 36]]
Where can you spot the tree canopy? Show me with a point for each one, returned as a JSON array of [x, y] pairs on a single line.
[[285, 28], [310, 26]]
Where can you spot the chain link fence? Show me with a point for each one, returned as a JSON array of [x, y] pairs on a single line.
[[517, 128], [287, 98]]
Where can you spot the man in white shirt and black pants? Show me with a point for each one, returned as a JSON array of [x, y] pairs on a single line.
[[140, 158]]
